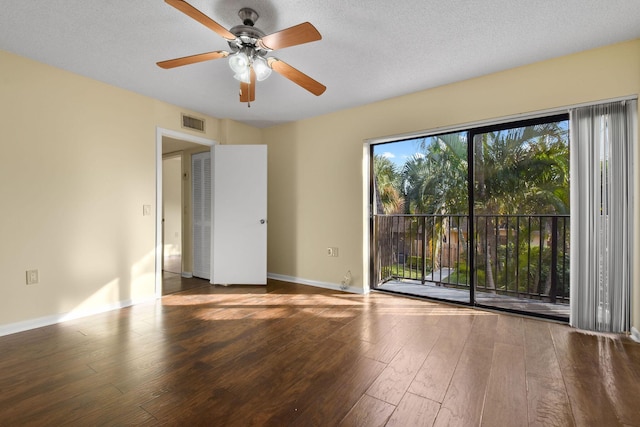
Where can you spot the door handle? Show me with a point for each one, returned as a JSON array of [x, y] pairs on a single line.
[[262, 221]]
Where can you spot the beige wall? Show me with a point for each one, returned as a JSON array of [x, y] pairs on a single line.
[[316, 182], [232, 132], [77, 166]]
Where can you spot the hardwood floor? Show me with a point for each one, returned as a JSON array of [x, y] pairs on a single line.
[[289, 354], [174, 282]]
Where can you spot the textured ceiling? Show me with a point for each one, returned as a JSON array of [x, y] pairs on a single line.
[[371, 50]]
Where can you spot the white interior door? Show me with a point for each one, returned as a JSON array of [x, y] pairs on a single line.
[[201, 199], [240, 214]]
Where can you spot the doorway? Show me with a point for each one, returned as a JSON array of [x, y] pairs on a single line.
[[171, 144]]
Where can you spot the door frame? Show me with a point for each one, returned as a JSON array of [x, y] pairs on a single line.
[[161, 132]]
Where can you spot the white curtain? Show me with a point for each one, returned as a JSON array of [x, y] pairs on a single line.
[[603, 139]]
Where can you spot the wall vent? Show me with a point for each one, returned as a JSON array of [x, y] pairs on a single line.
[[193, 123]]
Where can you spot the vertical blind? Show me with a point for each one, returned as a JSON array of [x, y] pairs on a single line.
[[603, 140]]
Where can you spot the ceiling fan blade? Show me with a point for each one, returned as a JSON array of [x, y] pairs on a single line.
[[186, 60], [292, 36], [248, 90], [194, 13], [296, 76]]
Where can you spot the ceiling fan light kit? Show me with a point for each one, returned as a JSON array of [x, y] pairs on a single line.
[[249, 49]]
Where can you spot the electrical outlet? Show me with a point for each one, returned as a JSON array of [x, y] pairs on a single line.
[[32, 277], [332, 252]]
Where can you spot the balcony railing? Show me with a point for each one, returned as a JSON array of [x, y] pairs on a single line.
[[523, 256]]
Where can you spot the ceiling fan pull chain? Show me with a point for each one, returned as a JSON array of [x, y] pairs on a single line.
[[249, 98]]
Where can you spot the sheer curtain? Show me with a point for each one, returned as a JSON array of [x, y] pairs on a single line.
[[602, 170]]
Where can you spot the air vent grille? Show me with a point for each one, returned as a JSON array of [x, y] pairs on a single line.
[[193, 123]]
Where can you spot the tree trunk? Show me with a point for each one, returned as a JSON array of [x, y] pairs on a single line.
[[491, 285]]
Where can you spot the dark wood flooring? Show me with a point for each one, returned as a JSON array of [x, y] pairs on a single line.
[[289, 354], [174, 282]]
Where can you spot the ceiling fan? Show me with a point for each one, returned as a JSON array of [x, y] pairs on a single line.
[[249, 47]]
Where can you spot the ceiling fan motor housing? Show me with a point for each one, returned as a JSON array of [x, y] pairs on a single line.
[[247, 35]]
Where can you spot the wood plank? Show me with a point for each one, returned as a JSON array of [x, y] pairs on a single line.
[[394, 381], [289, 379], [366, 327], [70, 409], [432, 380], [465, 397], [506, 399], [548, 402], [33, 402], [30, 387], [509, 330], [483, 330], [340, 396], [540, 353], [201, 406], [368, 412], [582, 363], [415, 411]]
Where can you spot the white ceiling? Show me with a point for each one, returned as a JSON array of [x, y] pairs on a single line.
[[371, 50]]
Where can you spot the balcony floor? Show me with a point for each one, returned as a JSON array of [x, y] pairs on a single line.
[[431, 290]]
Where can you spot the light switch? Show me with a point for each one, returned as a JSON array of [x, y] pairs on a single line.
[[32, 277]]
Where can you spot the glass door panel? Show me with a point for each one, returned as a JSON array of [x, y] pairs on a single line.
[[521, 217], [420, 217]]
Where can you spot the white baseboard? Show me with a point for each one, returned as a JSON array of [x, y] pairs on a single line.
[[187, 274], [13, 328], [316, 283], [635, 334]]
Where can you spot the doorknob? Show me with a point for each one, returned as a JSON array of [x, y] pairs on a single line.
[[262, 221]]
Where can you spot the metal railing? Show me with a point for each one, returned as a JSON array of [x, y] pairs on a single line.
[[524, 256]]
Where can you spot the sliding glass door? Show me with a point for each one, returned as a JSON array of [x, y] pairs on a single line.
[[479, 216]]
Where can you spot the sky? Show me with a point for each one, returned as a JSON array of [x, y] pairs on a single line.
[[398, 152]]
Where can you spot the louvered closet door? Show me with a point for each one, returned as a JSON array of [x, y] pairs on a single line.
[[201, 198]]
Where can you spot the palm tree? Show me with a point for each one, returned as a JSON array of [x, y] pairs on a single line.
[[386, 185], [434, 183], [519, 170]]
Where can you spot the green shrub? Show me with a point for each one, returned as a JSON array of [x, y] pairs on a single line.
[[416, 263]]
